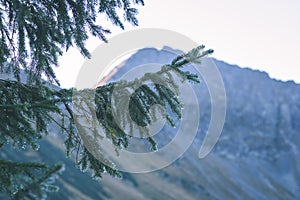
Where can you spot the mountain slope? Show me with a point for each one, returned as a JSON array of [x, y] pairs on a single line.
[[257, 156]]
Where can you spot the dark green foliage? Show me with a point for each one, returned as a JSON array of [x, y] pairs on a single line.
[[88, 161], [33, 34], [105, 116], [29, 109], [25, 109], [27, 180], [148, 94]]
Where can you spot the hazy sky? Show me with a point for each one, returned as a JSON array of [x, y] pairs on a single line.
[[260, 34]]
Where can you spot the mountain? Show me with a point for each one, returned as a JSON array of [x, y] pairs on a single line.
[[256, 157]]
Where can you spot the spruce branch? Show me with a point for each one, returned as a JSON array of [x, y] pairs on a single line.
[[43, 30], [27, 180], [139, 106]]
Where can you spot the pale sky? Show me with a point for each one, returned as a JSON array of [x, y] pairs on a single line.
[[260, 34]]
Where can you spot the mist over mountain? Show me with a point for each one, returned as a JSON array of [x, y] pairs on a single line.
[[256, 157]]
